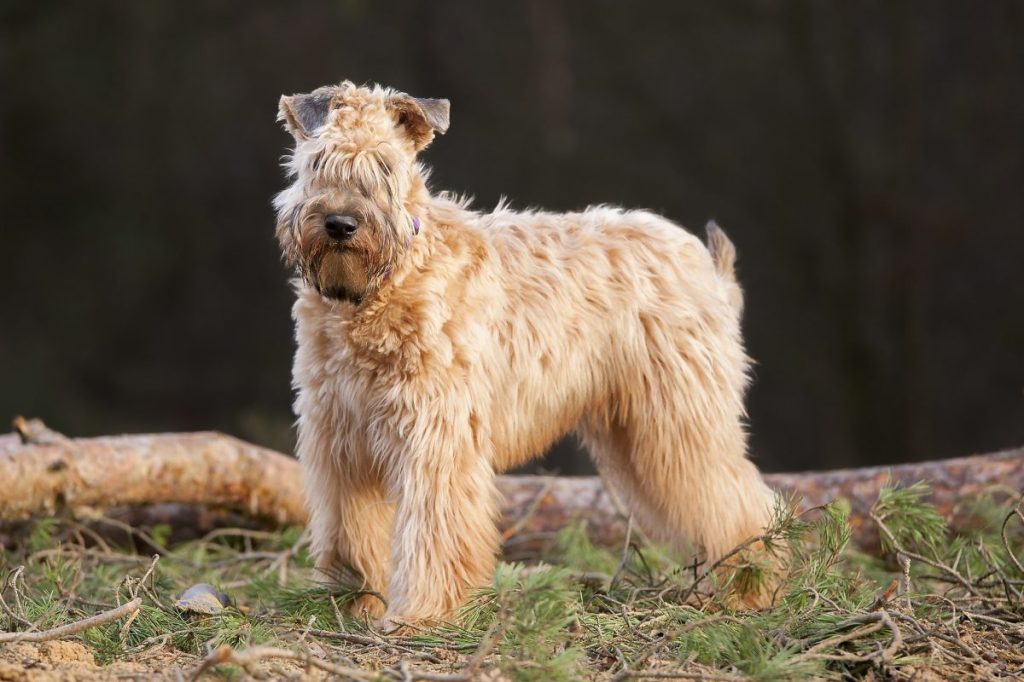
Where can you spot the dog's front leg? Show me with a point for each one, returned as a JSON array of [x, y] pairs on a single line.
[[445, 536], [350, 517]]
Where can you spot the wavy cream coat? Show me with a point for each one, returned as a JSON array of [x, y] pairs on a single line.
[[470, 347]]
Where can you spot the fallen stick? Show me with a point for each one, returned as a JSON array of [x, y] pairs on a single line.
[[215, 470], [248, 657], [121, 611]]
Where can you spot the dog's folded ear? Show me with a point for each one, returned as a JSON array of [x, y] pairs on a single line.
[[302, 115], [421, 117]]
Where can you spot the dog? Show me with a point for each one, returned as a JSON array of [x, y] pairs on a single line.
[[438, 345]]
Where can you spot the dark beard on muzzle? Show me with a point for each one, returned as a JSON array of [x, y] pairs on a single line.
[[338, 294], [339, 274]]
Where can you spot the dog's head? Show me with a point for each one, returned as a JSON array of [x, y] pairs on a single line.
[[350, 212]]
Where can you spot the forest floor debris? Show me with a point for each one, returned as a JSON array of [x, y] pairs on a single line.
[[933, 605]]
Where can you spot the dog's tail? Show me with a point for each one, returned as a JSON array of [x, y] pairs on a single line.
[[723, 253]]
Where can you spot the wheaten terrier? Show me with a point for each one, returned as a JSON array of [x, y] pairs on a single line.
[[438, 345]]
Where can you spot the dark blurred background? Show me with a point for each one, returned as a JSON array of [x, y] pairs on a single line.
[[867, 159]]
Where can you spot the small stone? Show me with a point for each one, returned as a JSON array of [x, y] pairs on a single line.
[[202, 598]]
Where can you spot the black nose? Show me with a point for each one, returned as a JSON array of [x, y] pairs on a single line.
[[340, 226]]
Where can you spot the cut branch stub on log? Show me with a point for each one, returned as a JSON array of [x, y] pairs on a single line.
[[220, 471]]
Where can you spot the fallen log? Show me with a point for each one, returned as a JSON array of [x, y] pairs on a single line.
[[215, 470], [541, 504], [191, 468]]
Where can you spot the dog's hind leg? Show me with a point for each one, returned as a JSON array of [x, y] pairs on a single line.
[[677, 455], [687, 497]]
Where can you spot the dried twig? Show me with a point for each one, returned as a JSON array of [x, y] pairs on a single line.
[[934, 563], [10, 580], [627, 674], [378, 642], [1006, 541], [249, 657], [253, 655], [127, 609]]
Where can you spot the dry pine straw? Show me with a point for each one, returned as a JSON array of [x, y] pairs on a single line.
[[936, 606]]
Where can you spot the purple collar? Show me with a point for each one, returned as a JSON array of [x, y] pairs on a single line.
[[415, 231]]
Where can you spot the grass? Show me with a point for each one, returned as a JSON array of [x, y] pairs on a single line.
[[933, 604]]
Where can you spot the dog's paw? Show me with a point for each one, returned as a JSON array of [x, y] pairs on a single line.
[[390, 626], [753, 578], [367, 606], [398, 626]]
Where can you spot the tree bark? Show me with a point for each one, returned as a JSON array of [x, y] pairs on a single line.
[[557, 501], [214, 470], [191, 468]]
